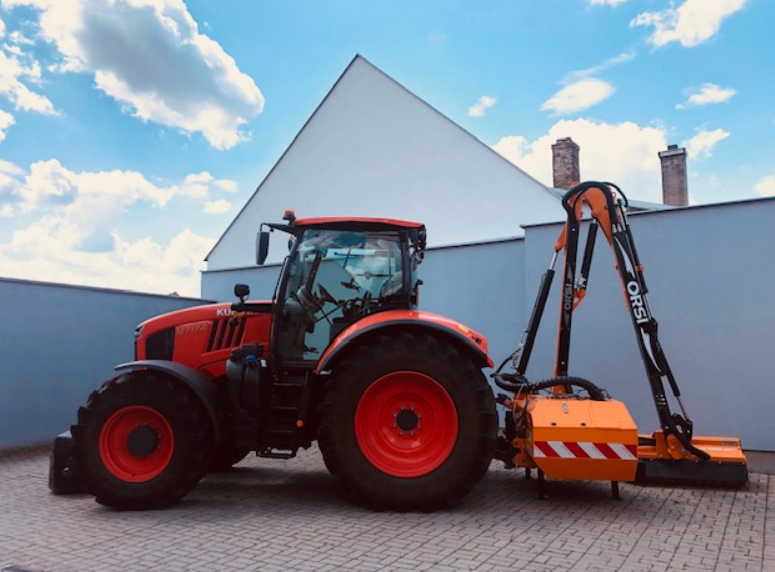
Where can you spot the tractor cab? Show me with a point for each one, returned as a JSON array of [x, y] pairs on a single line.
[[337, 272]]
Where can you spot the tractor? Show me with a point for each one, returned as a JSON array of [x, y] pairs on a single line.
[[395, 396]]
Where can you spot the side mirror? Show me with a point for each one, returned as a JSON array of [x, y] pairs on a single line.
[[241, 291], [262, 247]]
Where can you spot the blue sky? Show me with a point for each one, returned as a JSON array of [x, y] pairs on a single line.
[[133, 131]]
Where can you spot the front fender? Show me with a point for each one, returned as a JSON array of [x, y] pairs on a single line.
[[465, 336], [203, 388]]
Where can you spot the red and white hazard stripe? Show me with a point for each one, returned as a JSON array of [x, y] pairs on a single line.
[[585, 450]]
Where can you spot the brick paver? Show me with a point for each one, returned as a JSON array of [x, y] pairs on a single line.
[[279, 516]]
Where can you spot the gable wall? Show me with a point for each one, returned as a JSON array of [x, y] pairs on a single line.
[[374, 149]]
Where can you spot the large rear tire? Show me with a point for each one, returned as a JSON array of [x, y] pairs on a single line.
[[142, 441], [408, 423]]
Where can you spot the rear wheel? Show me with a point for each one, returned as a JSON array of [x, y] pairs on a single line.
[[408, 423], [142, 441]]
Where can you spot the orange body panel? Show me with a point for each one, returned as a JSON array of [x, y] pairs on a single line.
[[197, 346], [582, 439], [720, 449]]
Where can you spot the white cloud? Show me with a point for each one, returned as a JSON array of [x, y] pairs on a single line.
[[17, 38], [582, 90], [692, 23], [481, 106], [227, 185], [622, 58], [6, 120], [196, 185], [2, 28], [150, 56], [709, 93], [49, 187], [623, 153], [49, 250], [766, 187], [217, 207], [578, 96], [71, 228], [12, 72], [701, 145], [10, 168]]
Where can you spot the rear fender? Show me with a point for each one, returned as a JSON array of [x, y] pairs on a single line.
[[203, 388], [475, 343]]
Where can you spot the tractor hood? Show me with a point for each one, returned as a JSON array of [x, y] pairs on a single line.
[[201, 335]]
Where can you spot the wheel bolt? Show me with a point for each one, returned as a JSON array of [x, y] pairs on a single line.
[[419, 426], [411, 433], [401, 433], [395, 425]]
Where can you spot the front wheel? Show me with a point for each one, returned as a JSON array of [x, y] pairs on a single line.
[[408, 423], [142, 441]]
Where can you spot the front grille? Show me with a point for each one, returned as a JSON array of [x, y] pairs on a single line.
[[226, 333], [160, 345]]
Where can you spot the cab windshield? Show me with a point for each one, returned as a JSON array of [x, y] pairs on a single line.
[[349, 265], [336, 277]]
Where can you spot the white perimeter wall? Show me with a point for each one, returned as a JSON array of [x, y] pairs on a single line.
[[711, 284], [711, 279], [58, 343]]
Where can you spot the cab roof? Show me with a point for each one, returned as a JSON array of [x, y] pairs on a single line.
[[357, 223]]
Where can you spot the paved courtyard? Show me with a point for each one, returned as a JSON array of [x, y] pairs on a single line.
[[285, 516]]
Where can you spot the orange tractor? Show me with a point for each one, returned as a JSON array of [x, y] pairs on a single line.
[[395, 396]]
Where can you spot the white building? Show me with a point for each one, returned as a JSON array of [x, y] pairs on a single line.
[[373, 148]]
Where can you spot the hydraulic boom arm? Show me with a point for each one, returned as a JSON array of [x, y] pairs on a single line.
[[609, 215]]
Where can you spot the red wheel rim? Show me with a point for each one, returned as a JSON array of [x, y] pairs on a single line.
[[406, 424], [115, 450]]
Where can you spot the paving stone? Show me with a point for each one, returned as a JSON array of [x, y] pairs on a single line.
[[279, 516]]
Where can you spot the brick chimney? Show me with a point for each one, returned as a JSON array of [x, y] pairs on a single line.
[[565, 163], [675, 190]]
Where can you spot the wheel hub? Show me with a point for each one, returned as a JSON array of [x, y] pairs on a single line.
[[407, 420], [142, 441], [136, 443], [406, 424]]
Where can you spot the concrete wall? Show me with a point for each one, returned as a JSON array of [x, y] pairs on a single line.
[[481, 286], [710, 283], [707, 269], [219, 284], [57, 344]]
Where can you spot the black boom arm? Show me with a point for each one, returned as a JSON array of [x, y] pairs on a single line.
[[609, 216]]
